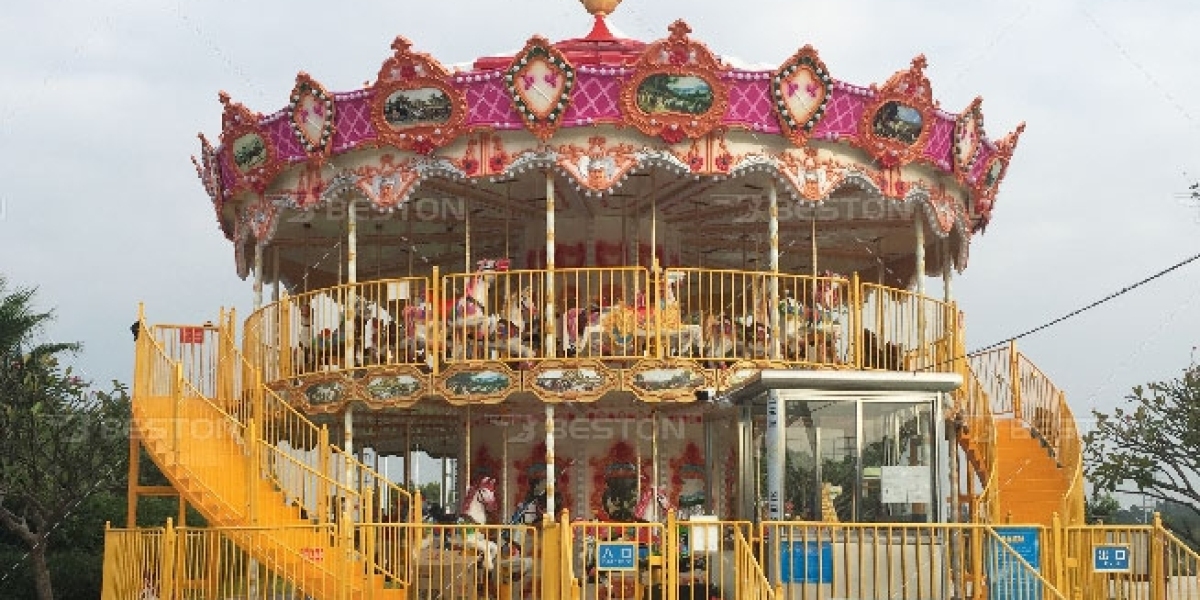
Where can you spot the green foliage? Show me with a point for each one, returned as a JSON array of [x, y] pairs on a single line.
[[63, 447], [1151, 444], [1101, 508]]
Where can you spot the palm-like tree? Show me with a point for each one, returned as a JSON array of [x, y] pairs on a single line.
[[20, 324]]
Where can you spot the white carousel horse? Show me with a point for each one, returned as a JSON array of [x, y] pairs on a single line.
[[718, 330], [510, 328], [481, 500], [469, 322]]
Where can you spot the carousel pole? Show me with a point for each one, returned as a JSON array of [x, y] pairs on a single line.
[[813, 238], [773, 262], [548, 345], [467, 243], [348, 336], [258, 274], [947, 272], [275, 292], [467, 452], [920, 277], [504, 502], [654, 456], [408, 456]]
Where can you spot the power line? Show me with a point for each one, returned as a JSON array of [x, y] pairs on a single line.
[[1078, 311]]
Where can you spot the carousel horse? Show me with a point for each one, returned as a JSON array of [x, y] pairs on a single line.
[[511, 329], [481, 500], [652, 505], [719, 331], [616, 329], [469, 322]]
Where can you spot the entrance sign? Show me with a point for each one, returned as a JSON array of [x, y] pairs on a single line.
[[616, 556]]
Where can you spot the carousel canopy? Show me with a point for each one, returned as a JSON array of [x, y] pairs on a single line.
[[662, 144]]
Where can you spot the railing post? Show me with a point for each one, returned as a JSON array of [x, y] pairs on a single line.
[[1057, 541], [323, 475], [167, 562], [1014, 376], [654, 301], [856, 320], [252, 471], [434, 338], [1158, 572], [285, 335], [176, 409]]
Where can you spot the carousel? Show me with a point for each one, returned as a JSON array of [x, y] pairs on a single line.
[[617, 280], [597, 242]]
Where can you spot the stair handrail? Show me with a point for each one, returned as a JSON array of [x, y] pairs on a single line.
[[256, 404], [280, 420], [1045, 410]]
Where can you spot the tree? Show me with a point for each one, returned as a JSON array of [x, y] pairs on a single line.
[[63, 440], [1151, 445]]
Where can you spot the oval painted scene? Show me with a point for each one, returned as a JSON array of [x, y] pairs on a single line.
[[663, 93], [993, 173], [899, 122], [249, 151], [422, 106]]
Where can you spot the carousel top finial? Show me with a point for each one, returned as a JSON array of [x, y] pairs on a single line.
[[600, 8]]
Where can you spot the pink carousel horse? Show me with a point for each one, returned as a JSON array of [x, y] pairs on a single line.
[[480, 502], [653, 505]]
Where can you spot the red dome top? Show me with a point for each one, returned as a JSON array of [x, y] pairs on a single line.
[[600, 46]]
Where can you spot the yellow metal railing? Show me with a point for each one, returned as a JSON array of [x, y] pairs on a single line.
[[816, 561], [1132, 562], [625, 313], [568, 561], [245, 456]]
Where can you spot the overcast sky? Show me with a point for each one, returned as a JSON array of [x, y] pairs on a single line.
[[101, 102]]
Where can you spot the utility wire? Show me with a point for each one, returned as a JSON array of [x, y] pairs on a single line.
[[1121, 292]]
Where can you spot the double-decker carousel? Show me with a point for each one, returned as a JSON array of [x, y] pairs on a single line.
[[602, 270]]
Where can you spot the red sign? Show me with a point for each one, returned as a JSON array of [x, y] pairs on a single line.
[[313, 554], [191, 335]]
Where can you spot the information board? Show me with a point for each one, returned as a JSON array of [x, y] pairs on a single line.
[[1011, 580], [806, 562]]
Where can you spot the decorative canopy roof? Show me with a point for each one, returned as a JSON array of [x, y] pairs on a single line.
[[596, 110]]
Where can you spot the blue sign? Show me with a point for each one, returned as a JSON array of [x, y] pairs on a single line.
[[616, 556], [806, 562], [1111, 558], [1011, 579]]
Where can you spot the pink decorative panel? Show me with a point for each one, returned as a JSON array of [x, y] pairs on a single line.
[[279, 129], [750, 102], [595, 97], [353, 121], [842, 114], [488, 102], [938, 148]]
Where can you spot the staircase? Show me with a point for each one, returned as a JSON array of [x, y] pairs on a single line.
[[1031, 484], [1029, 468], [223, 466]]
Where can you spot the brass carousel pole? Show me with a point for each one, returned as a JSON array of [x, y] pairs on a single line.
[[548, 345], [920, 277], [464, 485], [348, 351], [773, 262]]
